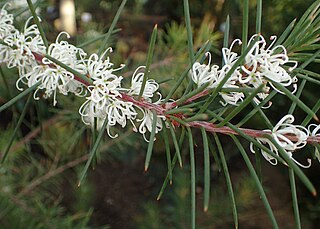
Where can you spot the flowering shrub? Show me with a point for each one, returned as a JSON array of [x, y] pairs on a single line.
[[261, 70]]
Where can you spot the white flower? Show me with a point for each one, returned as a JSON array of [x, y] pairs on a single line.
[[23, 46], [268, 62], [289, 137], [53, 77], [136, 82], [6, 23], [315, 131], [146, 123], [203, 73], [230, 57]]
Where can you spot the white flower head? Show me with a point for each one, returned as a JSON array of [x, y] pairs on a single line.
[[288, 136], [53, 77], [230, 57], [147, 121], [151, 85], [268, 63], [203, 73], [23, 46], [6, 23]]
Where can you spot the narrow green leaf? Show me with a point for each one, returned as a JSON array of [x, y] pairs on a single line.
[[228, 180], [285, 33], [174, 160], [293, 98], [179, 110], [93, 151], [257, 182], [37, 21], [294, 199], [305, 180], [315, 109], [214, 154], [193, 179], [226, 36], [245, 24], [189, 30], [226, 33], [309, 79], [151, 140], [112, 26], [176, 144], [206, 161], [298, 94], [18, 97], [259, 15], [241, 106], [256, 108], [197, 117], [192, 93], [168, 154], [258, 157], [149, 59], [15, 131]]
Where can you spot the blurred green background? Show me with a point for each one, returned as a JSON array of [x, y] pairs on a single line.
[[38, 181]]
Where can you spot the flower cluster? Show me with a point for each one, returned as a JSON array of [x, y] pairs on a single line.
[[289, 137], [263, 65], [111, 104], [26, 51]]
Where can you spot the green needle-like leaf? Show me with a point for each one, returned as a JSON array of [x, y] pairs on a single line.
[[37, 21], [93, 151], [214, 154], [206, 169], [256, 108], [176, 144], [257, 182], [293, 98], [259, 15], [168, 154], [228, 180], [239, 108], [189, 30], [174, 160], [315, 109], [18, 97], [285, 33], [294, 199], [193, 180], [245, 24], [226, 35], [149, 60], [151, 140], [15, 131], [112, 26]]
